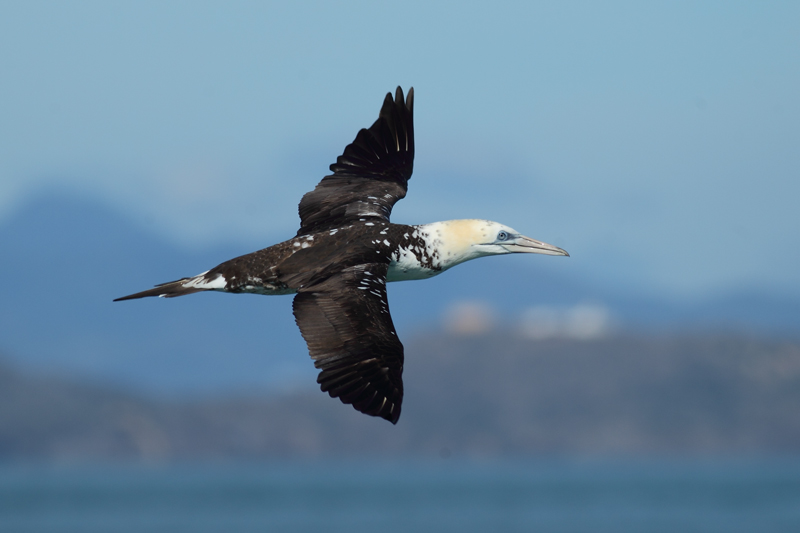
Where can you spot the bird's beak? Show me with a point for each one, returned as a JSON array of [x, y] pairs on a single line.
[[523, 244]]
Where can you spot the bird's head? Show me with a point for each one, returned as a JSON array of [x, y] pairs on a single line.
[[462, 240]]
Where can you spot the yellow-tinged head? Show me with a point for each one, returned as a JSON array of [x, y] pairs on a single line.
[[457, 241]]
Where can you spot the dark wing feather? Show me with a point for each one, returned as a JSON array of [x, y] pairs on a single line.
[[346, 323], [370, 176]]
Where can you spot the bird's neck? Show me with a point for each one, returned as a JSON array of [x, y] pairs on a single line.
[[451, 241]]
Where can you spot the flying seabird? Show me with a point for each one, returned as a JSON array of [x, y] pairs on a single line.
[[344, 253]]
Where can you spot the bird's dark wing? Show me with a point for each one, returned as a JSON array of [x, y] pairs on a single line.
[[370, 176], [346, 323]]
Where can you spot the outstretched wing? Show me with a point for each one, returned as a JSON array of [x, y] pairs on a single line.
[[370, 176], [346, 323]]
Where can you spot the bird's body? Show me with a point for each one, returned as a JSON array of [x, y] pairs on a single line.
[[343, 255]]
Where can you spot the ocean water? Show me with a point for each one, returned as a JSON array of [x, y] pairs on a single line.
[[399, 496]]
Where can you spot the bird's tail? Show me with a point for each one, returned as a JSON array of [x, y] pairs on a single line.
[[181, 287]]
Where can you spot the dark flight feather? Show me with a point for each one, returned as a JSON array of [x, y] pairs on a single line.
[[370, 176], [346, 323]]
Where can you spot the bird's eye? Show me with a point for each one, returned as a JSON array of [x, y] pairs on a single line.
[[502, 236]]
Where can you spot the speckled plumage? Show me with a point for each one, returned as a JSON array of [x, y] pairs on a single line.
[[346, 250]]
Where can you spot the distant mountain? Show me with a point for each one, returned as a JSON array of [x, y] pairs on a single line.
[[63, 259], [488, 396]]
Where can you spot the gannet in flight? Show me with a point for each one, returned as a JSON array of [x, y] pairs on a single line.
[[344, 253]]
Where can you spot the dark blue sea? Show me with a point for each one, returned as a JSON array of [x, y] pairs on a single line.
[[419, 496]]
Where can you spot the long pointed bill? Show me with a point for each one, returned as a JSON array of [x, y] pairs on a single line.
[[522, 244]]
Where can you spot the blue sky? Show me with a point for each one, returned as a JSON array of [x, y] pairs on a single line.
[[658, 142]]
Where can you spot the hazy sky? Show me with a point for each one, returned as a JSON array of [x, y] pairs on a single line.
[[657, 142]]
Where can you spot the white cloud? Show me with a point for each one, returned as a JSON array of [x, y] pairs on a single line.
[[583, 321]]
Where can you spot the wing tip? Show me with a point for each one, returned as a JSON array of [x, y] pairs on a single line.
[[393, 415], [407, 101], [400, 100]]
